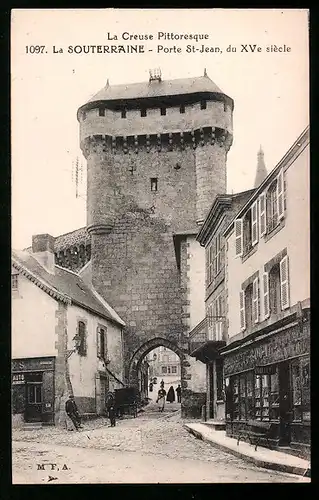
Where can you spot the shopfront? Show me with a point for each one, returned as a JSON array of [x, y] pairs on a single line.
[[33, 390], [269, 380]]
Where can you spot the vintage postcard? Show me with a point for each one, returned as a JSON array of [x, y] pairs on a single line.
[[160, 246]]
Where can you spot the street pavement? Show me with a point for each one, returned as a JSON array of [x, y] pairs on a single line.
[[152, 448]]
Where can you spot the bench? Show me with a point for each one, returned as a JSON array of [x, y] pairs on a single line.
[[256, 431]]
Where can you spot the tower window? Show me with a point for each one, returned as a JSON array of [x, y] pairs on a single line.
[[14, 282], [163, 111], [101, 111], [83, 116], [182, 108], [123, 113], [154, 184], [203, 105], [143, 113]]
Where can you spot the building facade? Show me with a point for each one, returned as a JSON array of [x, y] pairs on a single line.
[[156, 156], [266, 360], [209, 335], [65, 339]]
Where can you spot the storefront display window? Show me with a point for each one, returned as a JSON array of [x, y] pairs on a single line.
[[235, 384], [300, 378], [242, 396], [250, 395], [258, 397], [305, 387], [296, 389], [274, 396]]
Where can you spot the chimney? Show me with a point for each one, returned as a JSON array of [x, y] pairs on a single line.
[[43, 251]]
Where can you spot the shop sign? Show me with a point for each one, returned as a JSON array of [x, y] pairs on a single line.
[[33, 364], [265, 370], [18, 378], [279, 347]]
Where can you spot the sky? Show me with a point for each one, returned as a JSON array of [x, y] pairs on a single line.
[[270, 91]]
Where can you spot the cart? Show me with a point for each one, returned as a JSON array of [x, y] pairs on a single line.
[[126, 401]]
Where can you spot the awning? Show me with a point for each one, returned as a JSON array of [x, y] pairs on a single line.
[[208, 351]]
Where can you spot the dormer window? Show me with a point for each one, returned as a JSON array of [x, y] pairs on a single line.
[[203, 105], [101, 111], [143, 113]]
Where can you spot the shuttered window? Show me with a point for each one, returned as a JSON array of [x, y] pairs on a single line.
[[266, 295], [254, 223], [255, 311], [284, 283], [280, 195], [238, 237], [101, 343], [262, 215], [81, 339], [242, 310]]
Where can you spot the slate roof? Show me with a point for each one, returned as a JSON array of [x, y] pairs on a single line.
[[161, 88], [64, 285], [76, 237], [67, 240]]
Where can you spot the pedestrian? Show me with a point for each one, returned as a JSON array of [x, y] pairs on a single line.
[[111, 408], [162, 384], [179, 393], [151, 387], [161, 399], [72, 412], [171, 394]]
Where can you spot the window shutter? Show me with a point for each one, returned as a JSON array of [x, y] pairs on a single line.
[[238, 237], [255, 301], [284, 283], [98, 342], [242, 310], [280, 195], [207, 265], [266, 295], [262, 214], [254, 223]]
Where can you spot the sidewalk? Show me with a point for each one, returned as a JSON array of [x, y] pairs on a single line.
[[263, 457]]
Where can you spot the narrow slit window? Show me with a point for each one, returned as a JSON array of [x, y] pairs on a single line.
[[143, 113], [123, 113], [14, 282], [203, 105], [101, 111], [182, 108], [154, 184], [163, 111]]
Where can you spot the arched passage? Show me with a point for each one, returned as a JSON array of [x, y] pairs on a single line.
[[149, 346]]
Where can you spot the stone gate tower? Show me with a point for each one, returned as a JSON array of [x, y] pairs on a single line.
[[156, 157]]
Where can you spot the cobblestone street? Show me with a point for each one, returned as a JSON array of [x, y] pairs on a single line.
[[153, 448]]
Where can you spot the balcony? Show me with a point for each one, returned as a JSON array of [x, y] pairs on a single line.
[[207, 338]]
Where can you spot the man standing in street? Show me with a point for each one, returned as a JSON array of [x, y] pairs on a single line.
[[111, 408], [179, 393], [72, 412]]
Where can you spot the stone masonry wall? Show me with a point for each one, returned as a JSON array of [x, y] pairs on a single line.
[[118, 182], [135, 269]]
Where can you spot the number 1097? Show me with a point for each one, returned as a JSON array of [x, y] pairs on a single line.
[[34, 49]]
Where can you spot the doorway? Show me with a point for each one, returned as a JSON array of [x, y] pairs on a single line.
[[33, 407], [285, 403]]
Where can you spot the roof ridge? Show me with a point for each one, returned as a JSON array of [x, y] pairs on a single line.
[[69, 232]]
